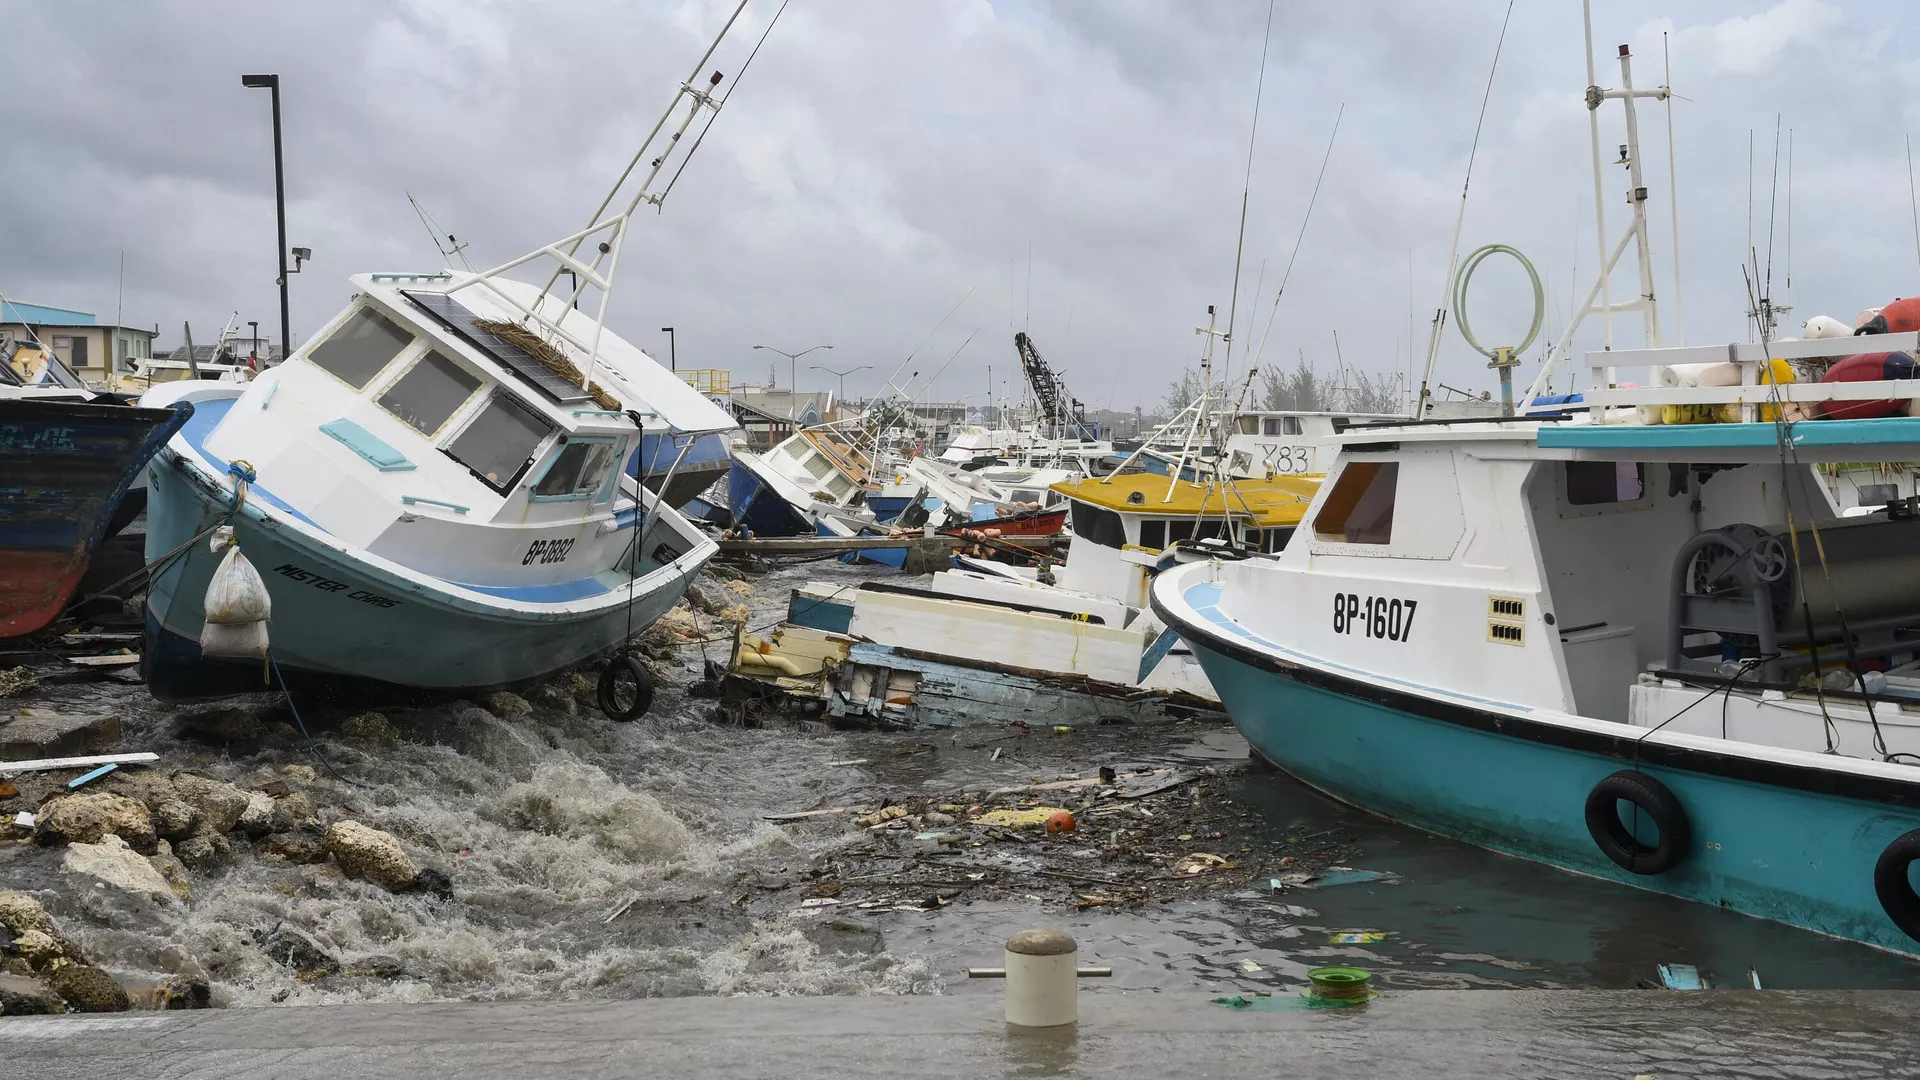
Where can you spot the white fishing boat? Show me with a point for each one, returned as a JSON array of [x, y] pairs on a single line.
[[432, 486], [1634, 633]]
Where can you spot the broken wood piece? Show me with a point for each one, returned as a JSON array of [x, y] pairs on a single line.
[[45, 764], [799, 814], [115, 660]]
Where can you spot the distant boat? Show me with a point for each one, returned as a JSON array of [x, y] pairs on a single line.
[[68, 457]]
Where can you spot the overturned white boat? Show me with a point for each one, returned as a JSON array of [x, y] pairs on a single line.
[[432, 487]]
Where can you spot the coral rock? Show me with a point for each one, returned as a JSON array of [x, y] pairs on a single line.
[[113, 862], [21, 996], [88, 989], [183, 992], [220, 804], [370, 727], [507, 705], [294, 847], [204, 852], [84, 819], [372, 855]]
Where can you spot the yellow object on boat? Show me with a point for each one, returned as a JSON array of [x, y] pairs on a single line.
[[1280, 501], [1777, 371]]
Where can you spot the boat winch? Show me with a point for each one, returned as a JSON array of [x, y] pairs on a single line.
[[1774, 602]]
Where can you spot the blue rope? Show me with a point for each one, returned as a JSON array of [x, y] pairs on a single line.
[[240, 473]]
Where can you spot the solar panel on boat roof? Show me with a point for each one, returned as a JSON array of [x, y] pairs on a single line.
[[455, 316]]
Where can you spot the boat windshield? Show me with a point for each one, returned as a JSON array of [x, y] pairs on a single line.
[[28, 363], [578, 470], [431, 391], [360, 347], [499, 444]]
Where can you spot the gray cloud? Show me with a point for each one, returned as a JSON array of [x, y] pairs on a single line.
[[884, 156]]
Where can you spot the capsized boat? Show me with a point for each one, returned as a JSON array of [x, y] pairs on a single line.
[[816, 470], [433, 485], [68, 457]]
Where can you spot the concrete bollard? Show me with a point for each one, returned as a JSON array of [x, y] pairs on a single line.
[[1042, 972]]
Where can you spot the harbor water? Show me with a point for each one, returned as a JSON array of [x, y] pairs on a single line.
[[596, 860]]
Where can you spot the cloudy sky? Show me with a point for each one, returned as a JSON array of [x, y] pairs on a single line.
[[884, 158]]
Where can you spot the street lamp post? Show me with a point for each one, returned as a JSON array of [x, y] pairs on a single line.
[[793, 376], [672, 364], [272, 82], [842, 375], [253, 343]]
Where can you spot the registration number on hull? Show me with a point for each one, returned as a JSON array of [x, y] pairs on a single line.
[[547, 551], [1385, 617]]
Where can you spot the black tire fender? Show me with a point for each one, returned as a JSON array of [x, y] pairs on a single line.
[[1894, 887], [1653, 799], [608, 691]]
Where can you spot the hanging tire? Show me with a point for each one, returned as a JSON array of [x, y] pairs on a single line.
[[1894, 887], [1653, 799], [626, 689]]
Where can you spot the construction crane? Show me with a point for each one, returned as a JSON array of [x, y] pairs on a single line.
[[1059, 410]]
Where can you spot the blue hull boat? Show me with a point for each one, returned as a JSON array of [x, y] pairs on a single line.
[[705, 461], [758, 507], [1770, 838]]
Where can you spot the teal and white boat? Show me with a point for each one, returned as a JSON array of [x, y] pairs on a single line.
[[1654, 633], [432, 488]]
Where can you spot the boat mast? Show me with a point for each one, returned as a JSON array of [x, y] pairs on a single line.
[[1636, 233]]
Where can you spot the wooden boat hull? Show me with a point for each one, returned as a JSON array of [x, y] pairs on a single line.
[[65, 467]]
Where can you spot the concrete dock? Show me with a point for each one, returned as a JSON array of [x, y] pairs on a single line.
[[1414, 1034]]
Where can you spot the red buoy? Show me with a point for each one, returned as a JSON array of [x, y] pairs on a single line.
[[1867, 367]]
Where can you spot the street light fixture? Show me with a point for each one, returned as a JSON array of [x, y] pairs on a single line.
[[272, 82], [793, 378], [842, 395], [672, 364]]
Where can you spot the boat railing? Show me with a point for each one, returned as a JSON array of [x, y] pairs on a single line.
[[1755, 389]]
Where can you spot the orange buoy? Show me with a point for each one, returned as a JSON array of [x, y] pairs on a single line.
[[1061, 821]]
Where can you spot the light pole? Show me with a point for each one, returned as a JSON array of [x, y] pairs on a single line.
[[672, 364], [253, 343], [272, 82], [842, 375], [793, 368]]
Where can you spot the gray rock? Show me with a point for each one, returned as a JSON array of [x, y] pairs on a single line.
[[377, 966], [300, 951], [294, 847], [264, 815], [174, 871], [434, 882], [84, 819], [550, 696], [224, 724], [113, 862], [218, 803], [43, 733], [507, 705], [204, 852], [173, 817], [183, 992], [88, 989], [371, 728], [371, 854], [21, 996]]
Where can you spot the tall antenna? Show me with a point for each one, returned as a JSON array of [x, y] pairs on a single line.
[[1789, 306], [1673, 197], [447, 250], [1912, 201], [1287, 274], [1453, 256], [1246, 189]]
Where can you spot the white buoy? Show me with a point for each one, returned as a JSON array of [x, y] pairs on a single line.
[[1042, 976]]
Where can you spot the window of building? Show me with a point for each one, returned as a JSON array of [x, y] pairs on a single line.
[[360, 347], [1593, 483], [1100, 525], [499, 444], [578, 470], [1359, 509], [1153, 534], [427, 396]]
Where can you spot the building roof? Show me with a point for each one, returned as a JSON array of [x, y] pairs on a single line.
[[14, 311]]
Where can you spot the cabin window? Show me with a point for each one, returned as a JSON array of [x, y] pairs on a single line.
[[1249, 425], [578, 470], [1178, 531], [1359, 509], [499, 444], [1270, 426], [1595, 483], [360, 347], [1025, 495], [1210, 529], [1153, 534], [1102, 526], [427, 396]]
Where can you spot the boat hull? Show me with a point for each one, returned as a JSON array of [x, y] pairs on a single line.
[[757, 506], [1764, 841], [705, 463], [65, 468], [342, 620]]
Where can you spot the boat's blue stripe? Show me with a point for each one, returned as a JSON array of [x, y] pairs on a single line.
[[1879, 431], [559, 592], [1204, 598], [207, 416]]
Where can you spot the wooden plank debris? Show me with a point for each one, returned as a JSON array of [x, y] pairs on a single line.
[[48, 764]]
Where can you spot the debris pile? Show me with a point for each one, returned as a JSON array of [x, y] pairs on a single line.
[[1126, 835]]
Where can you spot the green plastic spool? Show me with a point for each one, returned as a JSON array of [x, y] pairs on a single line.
[[1340, 983]]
